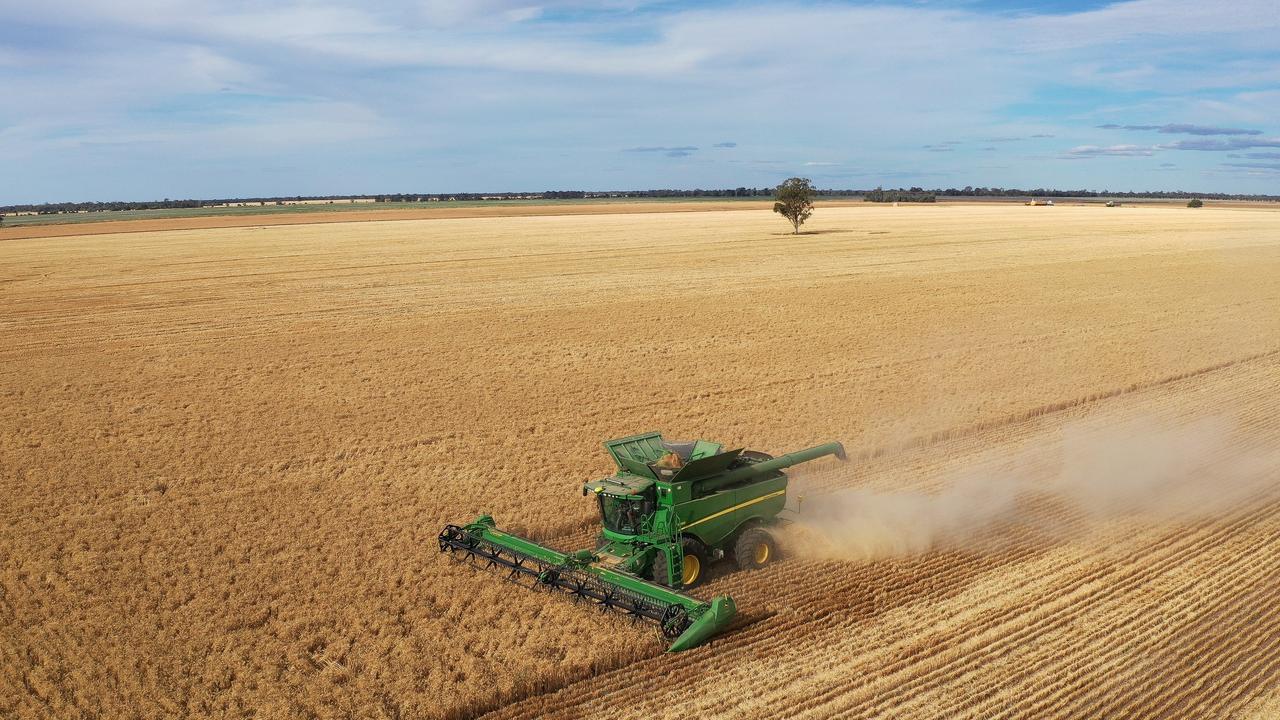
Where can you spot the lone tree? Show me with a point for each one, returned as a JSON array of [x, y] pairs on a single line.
[[794, 201], [1195, 202]]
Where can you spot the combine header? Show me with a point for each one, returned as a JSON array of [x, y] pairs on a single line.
[[668, 512]]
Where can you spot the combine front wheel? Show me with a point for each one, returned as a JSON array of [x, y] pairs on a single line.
[[695, 563], [755, 548]]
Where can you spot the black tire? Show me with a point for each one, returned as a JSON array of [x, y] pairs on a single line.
[[754, 548], [694, 555], [659, 573]]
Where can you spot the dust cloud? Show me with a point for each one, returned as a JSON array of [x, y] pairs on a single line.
[[1093, 473]]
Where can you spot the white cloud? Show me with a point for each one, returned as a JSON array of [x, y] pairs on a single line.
[[1146, 21], [1088, 151], [1216, 145]]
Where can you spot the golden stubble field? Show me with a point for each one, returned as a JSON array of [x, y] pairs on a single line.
[[225, 455]]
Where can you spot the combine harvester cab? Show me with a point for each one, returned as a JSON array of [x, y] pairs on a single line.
[[668, 512]]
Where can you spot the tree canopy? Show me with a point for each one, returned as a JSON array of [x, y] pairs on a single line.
[[794, 201]]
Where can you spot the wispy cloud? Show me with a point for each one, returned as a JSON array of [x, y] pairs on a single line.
[[1183, 129], [1220, 145], [1268, 167], [726, 145], [1092, 151], [682, 151]]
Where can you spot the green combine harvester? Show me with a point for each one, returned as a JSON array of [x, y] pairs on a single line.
[[669, 511]]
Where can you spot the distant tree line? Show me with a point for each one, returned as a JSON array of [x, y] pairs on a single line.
[[881, 195], [914, 194], [166, 204], [968, 191]]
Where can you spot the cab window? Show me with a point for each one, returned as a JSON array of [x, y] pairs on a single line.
[[625, 514]]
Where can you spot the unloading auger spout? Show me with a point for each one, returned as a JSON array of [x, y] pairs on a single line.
[[670, 510]]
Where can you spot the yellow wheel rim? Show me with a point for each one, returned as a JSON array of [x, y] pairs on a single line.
[[762, 553], [692, 569]]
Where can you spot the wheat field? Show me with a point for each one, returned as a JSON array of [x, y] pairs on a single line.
[[225, 455]]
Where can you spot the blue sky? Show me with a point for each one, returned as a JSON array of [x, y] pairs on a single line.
[[145, 99]]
